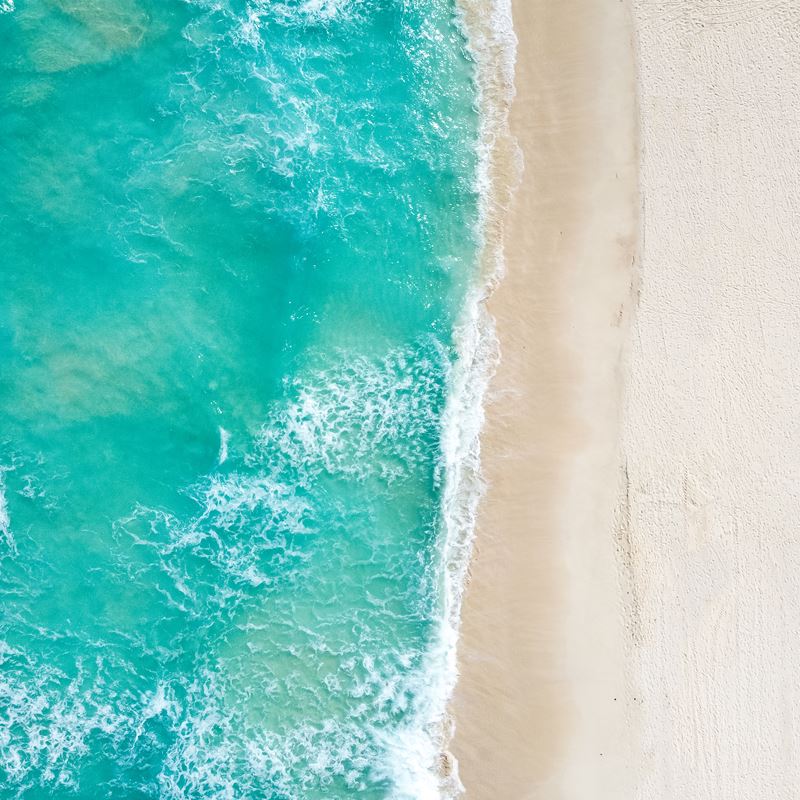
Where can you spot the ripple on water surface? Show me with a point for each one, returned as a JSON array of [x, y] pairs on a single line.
[[236, 242]]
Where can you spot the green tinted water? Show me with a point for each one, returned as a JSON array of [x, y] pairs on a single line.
[[235, 241]]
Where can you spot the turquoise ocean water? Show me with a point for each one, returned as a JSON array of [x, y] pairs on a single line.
[[236, 237]]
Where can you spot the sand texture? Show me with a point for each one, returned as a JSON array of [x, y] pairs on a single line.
[[541, 653], [710, 497], [631, 627]]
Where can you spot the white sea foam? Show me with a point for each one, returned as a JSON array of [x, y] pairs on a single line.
[[224, 438], [308, 11], [333, 420], [492, 43], [45, 725], [219, 754], [215, 751], [6, 537], [363, 418], [324, 8]]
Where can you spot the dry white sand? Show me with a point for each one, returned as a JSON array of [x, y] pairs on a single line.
[[711, 436]]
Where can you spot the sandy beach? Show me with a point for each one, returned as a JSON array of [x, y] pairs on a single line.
[[540, 657], [630, 627], [711, 423]]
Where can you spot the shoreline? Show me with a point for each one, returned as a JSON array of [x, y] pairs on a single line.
[[540, 650]]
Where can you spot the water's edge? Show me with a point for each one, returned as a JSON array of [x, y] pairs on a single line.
[[166, 501], [492, 44]]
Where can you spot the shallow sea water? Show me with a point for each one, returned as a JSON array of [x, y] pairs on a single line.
[[236, 240]]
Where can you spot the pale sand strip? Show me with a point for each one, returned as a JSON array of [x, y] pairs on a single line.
[[711, 430], [541, 649]]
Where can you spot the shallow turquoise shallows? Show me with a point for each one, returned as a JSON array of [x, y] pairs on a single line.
[[235, 237]]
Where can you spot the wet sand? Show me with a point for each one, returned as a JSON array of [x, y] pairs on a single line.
[[539, 709]]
